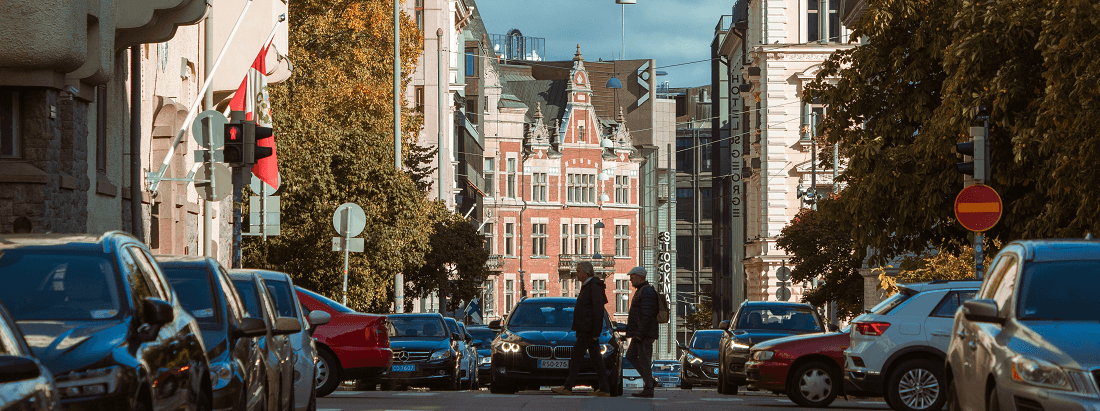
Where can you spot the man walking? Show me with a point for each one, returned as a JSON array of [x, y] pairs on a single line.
[[641, 328], [588, 321]]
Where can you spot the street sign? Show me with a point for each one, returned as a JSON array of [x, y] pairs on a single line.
[[354, 245], [783, 294], [783, 274], [208, 129], [978, 207], [223, 182], [349, 220]]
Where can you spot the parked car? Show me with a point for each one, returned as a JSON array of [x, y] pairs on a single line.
[[25, 384], [666, 372], [352, 346], [897, 349], [467, 355], [699, 362], [205, 291], [281, 289], [536, 344], [754, 323], [275, 343], [425, 353], [98, 312], [486, 336], [632, 379], [1029, 339]]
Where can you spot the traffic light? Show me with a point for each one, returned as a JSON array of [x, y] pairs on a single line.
[[978, 149], [234, 150], [252, 135]]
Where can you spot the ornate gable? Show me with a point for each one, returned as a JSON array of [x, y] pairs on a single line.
[[538, 135]]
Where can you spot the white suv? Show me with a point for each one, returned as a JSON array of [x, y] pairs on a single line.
[[898, 347]]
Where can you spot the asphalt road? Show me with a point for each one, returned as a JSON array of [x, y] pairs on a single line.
[[666, 399]]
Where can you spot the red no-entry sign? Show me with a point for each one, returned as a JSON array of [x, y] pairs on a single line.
[[978, 207]]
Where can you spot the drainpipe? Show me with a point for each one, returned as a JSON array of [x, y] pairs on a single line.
[[137, 224]]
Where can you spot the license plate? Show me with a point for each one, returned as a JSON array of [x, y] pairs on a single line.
[[404, 368], [556, 364]]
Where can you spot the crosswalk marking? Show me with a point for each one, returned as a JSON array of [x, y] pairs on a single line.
[[419, 394], [496, 395], [720, 399]]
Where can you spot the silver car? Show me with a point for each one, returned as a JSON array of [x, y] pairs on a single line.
[[24, 383], [281, 289], [1028, 341]]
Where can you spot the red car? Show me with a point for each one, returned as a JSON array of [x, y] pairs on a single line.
[[353, 346], [808, 368]]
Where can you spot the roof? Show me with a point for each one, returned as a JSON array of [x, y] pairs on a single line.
[[180, 259], [941, 285], [75, 242], [774, 303], [549, 300], [549, 93], [265, 274], [414, 315], [1060, 249]]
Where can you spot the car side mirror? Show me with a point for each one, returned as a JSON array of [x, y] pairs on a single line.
[[682, 346], [456, 337], [833, 328], [319, 318], [494, 325], [620, 327], [725, 324], [286, 325], [983, 311], [157, 312], [13, 368], [252, 327], [476, 343]]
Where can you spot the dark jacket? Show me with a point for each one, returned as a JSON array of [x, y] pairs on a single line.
[[642, 320], [589, 314]]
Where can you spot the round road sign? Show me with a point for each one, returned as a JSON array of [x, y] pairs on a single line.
[[349, 220], [978, 207], [783, 294], [783, 274]]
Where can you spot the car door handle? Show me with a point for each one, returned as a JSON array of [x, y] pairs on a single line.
[[940, 334]]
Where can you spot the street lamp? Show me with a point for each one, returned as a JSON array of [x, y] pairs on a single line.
[[624, 3]]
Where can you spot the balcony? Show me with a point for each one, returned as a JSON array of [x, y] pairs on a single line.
[[495, 262], [568, 262]]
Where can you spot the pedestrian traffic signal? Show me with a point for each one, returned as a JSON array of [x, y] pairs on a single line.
[[254, 134], [234, 150]]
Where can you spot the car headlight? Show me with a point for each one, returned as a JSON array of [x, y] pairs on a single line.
[[694, 360], [509, 347], [440, 355], [221, 373], [738, 346], [99, 381], [484, 360], [1039, 372], [762, 355], [606, 349]]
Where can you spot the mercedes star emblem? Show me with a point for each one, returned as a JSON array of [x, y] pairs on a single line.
[[404, 356]]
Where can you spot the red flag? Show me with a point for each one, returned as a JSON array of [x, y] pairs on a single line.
[[252, 98]]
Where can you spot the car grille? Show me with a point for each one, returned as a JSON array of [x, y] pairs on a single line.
[[563, 353], [538, 351], [413, 355], [708, 369], [669, 379]]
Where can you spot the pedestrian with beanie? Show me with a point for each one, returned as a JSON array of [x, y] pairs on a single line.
[[641, 329], [588, 322]]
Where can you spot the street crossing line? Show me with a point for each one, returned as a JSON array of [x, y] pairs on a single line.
[[720, 399], [496, 395], [419, 394]]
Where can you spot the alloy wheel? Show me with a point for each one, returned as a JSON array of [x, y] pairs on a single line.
[[918, 388]]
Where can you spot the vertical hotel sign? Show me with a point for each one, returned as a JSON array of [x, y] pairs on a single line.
[[664, 261]]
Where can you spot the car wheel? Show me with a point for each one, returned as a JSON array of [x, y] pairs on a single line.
[[917, 385], [993, 402], [814, 384], [328, 373], [684, 385]]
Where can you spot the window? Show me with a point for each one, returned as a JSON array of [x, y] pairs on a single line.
[[490, 297], [539, 188], [622, 241], [685, 252], [705, 155], [951, 303], [622, 296], [509, 295], [706, 243], [509, 238], [622, 189], [576, 287], [813, 20], [487, 232], [512, 178], [685, 155], [490, 172], [420, 14], [685, 204], [10, 137], [706, 204], [580, 239], [596, 234], [420, 98], [564, 239], [580, 134], [538, 288], [471, 63], [581, 188], [564, 283], [538, 240]]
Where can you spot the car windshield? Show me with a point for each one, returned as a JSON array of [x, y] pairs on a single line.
[[249, 297], [195, 292], [418, 327], [1059, 291], [484, 334], [284, 301], [451, 325], [708, 341], [666, 367], [778, 318], [340, 308], [46, 286], [542, 315]]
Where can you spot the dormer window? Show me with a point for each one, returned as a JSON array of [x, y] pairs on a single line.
[[580, 134]]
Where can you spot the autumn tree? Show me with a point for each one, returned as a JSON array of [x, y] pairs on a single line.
[[820, 250], [455, 266]]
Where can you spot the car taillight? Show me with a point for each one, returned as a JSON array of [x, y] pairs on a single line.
[[370, 333], [383, 335], [872, 328]]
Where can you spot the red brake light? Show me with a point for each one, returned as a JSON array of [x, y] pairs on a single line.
[[872, 328]]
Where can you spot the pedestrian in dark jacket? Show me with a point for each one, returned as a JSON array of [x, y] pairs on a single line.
[[641, 328], [588, 322]]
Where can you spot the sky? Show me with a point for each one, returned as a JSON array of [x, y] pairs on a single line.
[[670, 31]]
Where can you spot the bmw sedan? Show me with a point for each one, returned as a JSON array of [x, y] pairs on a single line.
[[535, 346]]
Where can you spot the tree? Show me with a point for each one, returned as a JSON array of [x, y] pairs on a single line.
[[455, 267], [333, 124], [700, 319], [935, 265], [820, 250]]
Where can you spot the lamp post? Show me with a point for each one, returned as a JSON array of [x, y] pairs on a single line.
[[624, 3]]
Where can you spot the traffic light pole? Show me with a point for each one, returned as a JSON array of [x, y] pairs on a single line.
[[979, 238]]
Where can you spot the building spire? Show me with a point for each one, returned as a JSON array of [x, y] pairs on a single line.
[[538, 111], [578, 56]]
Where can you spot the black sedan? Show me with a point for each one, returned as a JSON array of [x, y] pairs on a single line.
[[754, 323], [424, 353], [484, 351], [535, 346], [699, 362], [98, 312]]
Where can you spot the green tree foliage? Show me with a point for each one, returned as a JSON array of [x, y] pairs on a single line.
[[333, 124], [900, 102], [701, 318], [819, 249], [456, 263]]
